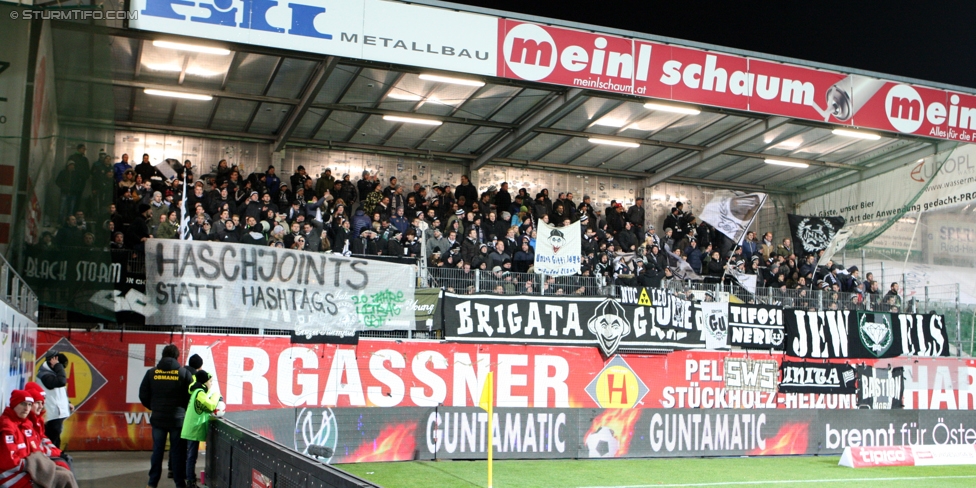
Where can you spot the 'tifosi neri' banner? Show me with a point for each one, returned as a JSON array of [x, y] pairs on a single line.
[[199, 283]]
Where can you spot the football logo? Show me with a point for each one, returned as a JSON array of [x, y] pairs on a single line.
[[317, 433]]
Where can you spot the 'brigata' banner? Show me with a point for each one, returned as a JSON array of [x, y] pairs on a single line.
[[198, 283], [856, 334], [669, 324]]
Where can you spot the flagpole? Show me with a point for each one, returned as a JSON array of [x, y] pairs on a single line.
[[184, 219], [487, 403], [491, 449], [745, 231]]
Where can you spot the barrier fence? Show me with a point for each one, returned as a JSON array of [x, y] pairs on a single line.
[[239, 457], [941, 299], [14, 291], [354, 435]]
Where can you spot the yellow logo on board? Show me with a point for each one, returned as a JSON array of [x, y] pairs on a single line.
[[644, 300], [83, 379], [617, 386]]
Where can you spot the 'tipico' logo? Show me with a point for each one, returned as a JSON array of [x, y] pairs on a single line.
[[610, 325], [875, 332]]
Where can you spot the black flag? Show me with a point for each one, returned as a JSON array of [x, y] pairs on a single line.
[[813, 234]]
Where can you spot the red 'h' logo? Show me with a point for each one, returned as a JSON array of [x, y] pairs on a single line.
[[622, 389]]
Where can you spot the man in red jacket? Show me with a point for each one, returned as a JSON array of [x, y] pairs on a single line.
[[13, 424]]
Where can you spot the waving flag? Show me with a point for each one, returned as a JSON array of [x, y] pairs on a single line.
[[732, 212], [813, 234]]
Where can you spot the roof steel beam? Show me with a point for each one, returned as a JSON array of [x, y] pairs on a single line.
[[718, 148], [322, 72], [568, 99], [890, 165]]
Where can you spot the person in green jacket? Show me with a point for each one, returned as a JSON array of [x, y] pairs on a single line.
[[203, 403]]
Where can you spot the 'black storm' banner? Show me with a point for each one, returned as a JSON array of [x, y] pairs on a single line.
[[880, 388], [817, 378], [576, 321], [827, 334]]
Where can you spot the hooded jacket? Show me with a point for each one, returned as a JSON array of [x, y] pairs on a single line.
[[202, 404], [165, 391]]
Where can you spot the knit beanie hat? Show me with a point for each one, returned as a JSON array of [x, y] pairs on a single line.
[[20, 396], [35, 391], [196, 362], [202, 377]]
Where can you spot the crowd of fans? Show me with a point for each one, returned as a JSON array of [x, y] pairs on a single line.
[[461, 228]]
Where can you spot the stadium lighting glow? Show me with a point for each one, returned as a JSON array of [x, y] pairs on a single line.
[[856, 134], [677, 109], [610, 122], [179, 46], [411, 120], [405, 96], [791, 164], [611, 142], [173, 94], [453, 81], [175, 68]]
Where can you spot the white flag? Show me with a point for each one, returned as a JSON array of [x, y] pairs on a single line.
[[732, 212], [682, 270], [558, 250], [836, 245], [747, 281]]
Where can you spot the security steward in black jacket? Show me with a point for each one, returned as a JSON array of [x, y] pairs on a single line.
[[165, 391]]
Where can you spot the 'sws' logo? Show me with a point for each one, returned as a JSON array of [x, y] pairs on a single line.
[[904, 108], [530, 52]]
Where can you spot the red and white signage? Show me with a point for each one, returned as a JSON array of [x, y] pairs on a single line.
[[431, 37], [931, 455], [609, 63]]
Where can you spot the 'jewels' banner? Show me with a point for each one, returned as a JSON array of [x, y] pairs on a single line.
[[857, 334]]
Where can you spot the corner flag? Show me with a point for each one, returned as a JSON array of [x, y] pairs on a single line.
[[486, 403]]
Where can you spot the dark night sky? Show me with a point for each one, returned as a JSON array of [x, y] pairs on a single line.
[[934, 41]]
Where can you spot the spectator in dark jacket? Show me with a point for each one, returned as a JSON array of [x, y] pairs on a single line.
[[694, 255], [165, 391], [359, 222]]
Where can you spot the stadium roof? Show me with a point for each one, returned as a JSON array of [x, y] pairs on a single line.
[[292, 98]]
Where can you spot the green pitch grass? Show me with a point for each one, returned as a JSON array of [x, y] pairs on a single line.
[[805, 471]]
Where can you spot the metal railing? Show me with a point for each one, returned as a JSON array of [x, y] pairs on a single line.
[[457, 280], [14, 291], [236, 456]]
